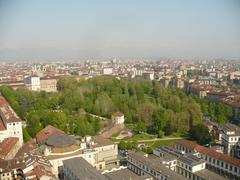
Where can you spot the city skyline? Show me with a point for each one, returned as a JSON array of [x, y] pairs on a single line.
[[155, 29]]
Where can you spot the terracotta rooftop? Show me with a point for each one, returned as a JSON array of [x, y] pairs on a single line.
[[24, 162], [27, 147], [2, 125], [201, 87], [119, 114], [46, 133], [7, 144], [7, 114], [209, 152], [101, 141], [231, 103]]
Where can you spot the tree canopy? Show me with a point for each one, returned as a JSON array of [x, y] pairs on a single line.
[[145, 103]]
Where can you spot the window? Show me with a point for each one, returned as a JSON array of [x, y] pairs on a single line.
[[235, 169], [217, 162], [226, 166], [222, 164]]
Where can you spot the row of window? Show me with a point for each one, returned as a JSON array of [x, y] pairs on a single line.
[[185, 166], [221, 164], [152, 172], [13, 124]]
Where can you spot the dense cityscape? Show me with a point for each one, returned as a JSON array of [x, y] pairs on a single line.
[[120, 119], [119, 90]]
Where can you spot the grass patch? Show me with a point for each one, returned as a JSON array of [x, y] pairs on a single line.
[[137, 137], [129, 126]]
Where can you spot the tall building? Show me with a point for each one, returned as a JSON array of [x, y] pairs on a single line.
[[223, 164], [48, 84], [35, 83], [32, 83], [230, 138], [10, 123]]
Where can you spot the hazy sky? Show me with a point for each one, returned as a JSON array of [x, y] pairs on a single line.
[[119, 28]]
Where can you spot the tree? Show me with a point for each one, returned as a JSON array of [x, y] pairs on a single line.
[[145, 111], [122, 145], [33, 124], [103, 104], [201, 134], [159, 119], [161, 134], [26, 136], [140, 127]]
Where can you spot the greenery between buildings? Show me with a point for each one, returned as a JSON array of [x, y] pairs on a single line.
[[146, 104]]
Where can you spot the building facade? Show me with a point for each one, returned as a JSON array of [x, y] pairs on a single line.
[[10, 123]]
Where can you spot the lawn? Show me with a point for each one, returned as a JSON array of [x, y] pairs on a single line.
[[137, 137]]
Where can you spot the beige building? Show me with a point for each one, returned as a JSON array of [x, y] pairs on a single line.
[[35, 83], [58, 147], [48, 84], [106, 152], [118, 118]]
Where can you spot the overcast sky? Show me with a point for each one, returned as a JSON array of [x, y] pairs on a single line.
[[119, 28]]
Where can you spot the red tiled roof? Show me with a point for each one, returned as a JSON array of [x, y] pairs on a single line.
[[27, 147], [2, 126], [101, 141], [209, 152], [6, 112], [45, 133], [231, 103], [7, 144], [201, 87], [119, 114]]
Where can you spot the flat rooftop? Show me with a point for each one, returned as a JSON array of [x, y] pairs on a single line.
[[125, 174], [153, 162], [81, 168]]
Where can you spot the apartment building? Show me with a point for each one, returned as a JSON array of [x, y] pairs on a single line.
[[48, 84], [187, 165], [35, 83], [143, 164], [230, 139], [222, 164], [167, 156], [106, 152], [10, 123], [32, 83]]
